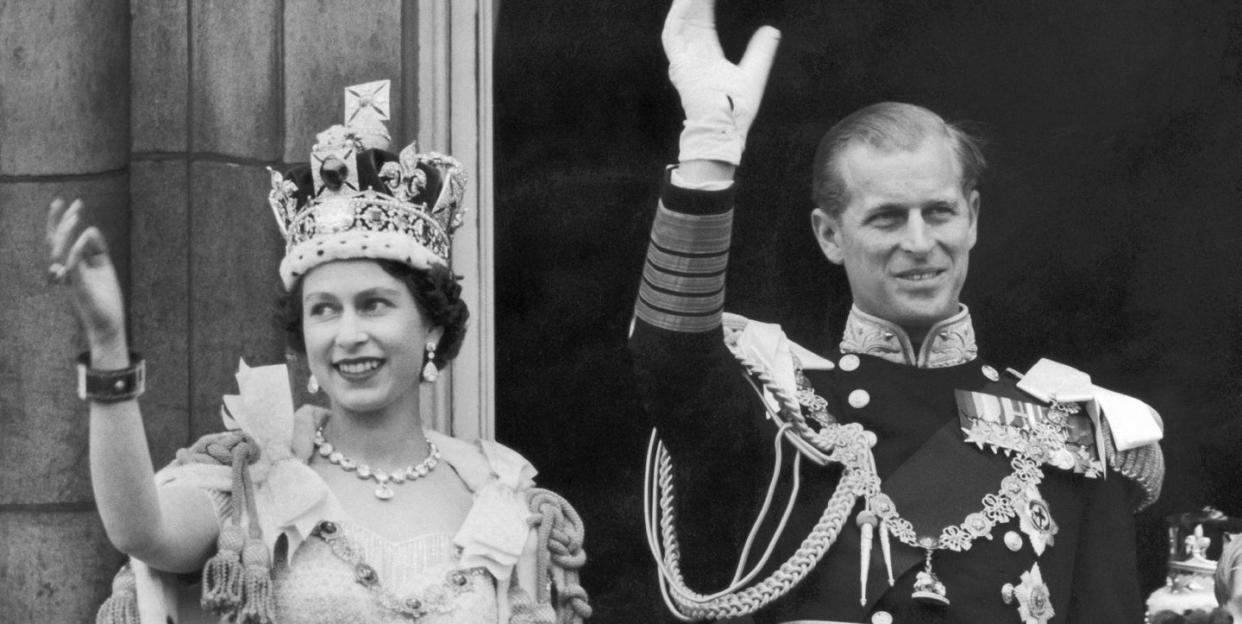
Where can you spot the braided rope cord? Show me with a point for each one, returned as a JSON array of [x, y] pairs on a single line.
[[560, 534], [845, 444], [237, 580], [236, 450], [216, 448], [822, 536]]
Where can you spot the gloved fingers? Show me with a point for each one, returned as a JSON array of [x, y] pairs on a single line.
[[691, 23], [756, 64]]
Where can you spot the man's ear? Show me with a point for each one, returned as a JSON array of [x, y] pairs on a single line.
[[974, 217], [828, 233]]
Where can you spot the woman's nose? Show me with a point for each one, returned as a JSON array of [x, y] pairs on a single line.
[[349, 332]]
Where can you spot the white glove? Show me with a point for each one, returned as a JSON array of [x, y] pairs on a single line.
[[720, 98]]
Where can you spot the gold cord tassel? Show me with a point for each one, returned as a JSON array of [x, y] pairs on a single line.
[[259, 606], [122, 606], [223, 574]]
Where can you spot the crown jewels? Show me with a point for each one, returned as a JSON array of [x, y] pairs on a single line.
[[357, 200]]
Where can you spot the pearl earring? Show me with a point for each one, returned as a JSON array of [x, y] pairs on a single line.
[[312, 385]]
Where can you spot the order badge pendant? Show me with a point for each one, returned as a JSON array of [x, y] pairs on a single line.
[[1032, 595], [927, 587], [1035, 519]]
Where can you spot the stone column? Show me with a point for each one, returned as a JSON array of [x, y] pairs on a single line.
[[64, 130]]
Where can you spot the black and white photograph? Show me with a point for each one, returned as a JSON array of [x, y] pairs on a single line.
[[565, 311]]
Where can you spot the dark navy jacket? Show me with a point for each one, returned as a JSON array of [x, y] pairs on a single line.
[[721, 443]]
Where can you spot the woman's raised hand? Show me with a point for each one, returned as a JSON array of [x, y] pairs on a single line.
[[720, 98], [79, 259]]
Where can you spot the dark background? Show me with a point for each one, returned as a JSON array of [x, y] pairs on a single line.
[[1108, 238]]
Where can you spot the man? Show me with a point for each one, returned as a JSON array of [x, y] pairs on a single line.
[[925, 486]]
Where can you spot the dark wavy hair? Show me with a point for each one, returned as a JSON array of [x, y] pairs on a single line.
[[436, 290]]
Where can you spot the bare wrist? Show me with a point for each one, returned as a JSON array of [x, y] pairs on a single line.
[[111, 354]]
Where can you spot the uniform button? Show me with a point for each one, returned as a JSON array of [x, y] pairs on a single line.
[[859, 398], [1007, 593], [849, 362], [881, 617], [990, 373], [1013, 541]]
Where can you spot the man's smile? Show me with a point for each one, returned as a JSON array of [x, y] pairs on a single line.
[[919, 275]]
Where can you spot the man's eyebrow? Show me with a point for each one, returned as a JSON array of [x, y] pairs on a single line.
[[885, 207]]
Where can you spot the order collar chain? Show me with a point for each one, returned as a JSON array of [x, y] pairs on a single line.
[[383, 478], [851, 445]]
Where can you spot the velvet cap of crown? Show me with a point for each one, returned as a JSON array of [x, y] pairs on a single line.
[[356, 200]]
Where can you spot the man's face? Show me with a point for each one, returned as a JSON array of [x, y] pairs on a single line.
[[906, 234]]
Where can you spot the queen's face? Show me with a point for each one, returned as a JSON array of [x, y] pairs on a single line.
[[365, 336]]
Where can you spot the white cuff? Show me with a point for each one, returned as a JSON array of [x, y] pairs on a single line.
[[708, 185]]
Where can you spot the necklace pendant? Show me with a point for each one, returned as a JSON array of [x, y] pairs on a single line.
[[384, 478], [927, 587]]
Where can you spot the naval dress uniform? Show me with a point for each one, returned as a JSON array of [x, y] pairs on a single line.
[[1064, 551]]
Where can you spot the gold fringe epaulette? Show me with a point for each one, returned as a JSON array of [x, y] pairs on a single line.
[[1144, 466]]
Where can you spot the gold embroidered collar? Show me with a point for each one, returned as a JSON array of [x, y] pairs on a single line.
[[948, 343]]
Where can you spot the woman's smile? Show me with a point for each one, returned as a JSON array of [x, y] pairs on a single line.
[[357, 369]]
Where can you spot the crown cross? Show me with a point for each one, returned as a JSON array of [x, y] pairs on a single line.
[[367, 102]]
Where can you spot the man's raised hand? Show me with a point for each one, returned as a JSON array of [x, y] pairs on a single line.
[[720, 98]]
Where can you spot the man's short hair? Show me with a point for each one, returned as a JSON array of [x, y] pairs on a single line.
[[888, 126]]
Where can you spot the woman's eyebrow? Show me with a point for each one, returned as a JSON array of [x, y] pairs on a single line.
[[378, 290]]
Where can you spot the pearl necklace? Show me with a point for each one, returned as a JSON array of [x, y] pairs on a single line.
[[364, 472]]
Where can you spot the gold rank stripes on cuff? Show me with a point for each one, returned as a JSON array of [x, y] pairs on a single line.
[[684, 277]]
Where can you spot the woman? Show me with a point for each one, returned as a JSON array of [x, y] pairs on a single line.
[[351, 513]]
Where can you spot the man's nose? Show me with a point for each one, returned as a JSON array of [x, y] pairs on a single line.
[[916, 237]]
